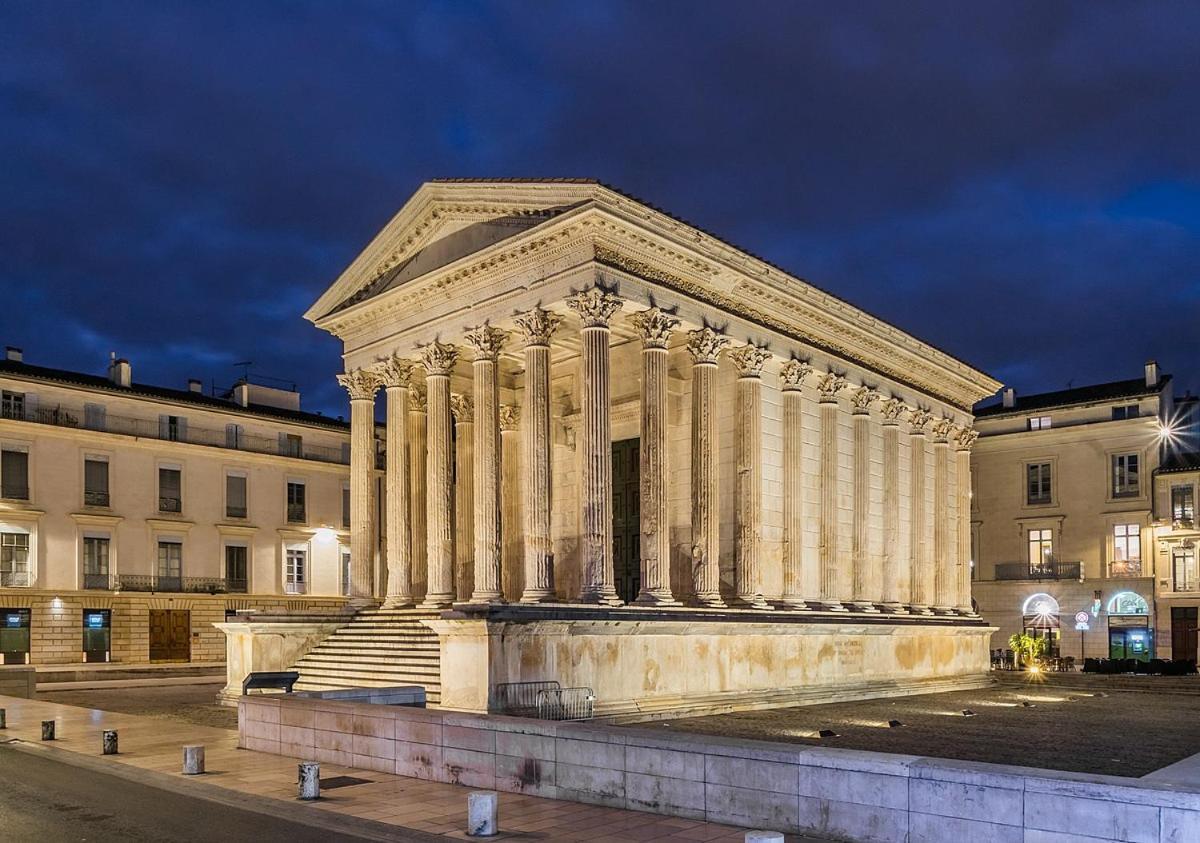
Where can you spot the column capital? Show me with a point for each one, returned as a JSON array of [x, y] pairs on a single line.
[[486, 341], [862, 399], [892, 409], [830, 385], [394, 371], [654, 327], [416, 397], [362, 384], [966, 437], [595, 306], [438, 358], [705, 345], [537, 325], [510, 417], [941, 430], [918, 420], [749, 360], [462, 408], [793, 373]]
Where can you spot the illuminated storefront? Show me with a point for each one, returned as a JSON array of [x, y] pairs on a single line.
[[1129, 632]]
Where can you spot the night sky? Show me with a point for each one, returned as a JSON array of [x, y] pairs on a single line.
[[1017, 183]]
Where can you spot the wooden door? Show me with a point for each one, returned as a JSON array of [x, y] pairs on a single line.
[[627, 536], [1183, 632], [170, 635]]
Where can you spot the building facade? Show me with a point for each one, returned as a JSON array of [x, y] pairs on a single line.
[[692, 477], [1063, 517], [1175, 548], [133, 517]]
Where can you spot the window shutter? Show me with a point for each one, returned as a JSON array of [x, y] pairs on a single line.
[[283, 444], [181, 429], [164, 427], [14, 474], [168, 483], [31, 405], [95, 476], [94, 416], [233, 436], [235, 492]]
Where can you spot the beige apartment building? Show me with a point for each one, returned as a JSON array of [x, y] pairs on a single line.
[[134, 517], [1177, 534], [1063, 518]]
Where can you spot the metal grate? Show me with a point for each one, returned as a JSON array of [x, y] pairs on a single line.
[[565, 704], [519, 699]]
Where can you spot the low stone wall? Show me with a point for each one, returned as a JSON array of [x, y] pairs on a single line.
[[256, 643], [841, 794], [18, 681]]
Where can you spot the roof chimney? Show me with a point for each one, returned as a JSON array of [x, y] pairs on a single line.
[[1151, 373], [1010, 397], [120, 372], [241, 394], [14, 354], [195, 385]]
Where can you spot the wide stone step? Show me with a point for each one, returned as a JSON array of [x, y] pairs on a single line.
[[375, 661], [367, 671], [383, 636], [351, 647]]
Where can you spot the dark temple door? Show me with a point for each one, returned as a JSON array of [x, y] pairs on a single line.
[[627, 550], [170, 635], [1183, 632]]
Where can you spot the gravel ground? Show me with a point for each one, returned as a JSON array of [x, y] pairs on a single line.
[[195, 704], [1126, 733]]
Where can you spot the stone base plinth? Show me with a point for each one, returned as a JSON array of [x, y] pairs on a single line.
[[269, 643], [666, 662]]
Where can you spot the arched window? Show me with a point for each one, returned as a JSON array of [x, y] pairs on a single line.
[[1040, 604], [1128, 603]]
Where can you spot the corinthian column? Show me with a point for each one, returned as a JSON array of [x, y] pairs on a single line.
[[922, 579], [512, 573], [749, 360], [595, 308], [655, 328], [438, 360], [704, 346], [791, 377], [462, 410], [864, 590], [830, 574], [487, 342], [962, 458], [895, 578], [537, 326], [362, 384], [396, 373], [944, 581], [417, 439]]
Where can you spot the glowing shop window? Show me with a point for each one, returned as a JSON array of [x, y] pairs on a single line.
[[1128, 603]]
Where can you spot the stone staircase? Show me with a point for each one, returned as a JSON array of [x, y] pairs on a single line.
[[378, 648]]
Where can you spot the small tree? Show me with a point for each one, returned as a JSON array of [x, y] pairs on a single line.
[[1027, 648]]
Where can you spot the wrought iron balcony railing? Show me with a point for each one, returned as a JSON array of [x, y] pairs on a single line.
[[101, 582], [170, 505], [187, 585], [95, 498], [1049, 570], [236, 585], [15, 579], [15, 491], [295, 588], [295, 513]]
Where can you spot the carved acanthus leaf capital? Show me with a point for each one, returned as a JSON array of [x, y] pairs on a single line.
[[941, 430], [862, 399], [654, 327], [892, 409], [537, 325], [394, 371], [438, 358], [749, 360], [919, 419], [966, 438], [830, 386], [486, 341], [793, 373], [595, 306], [462, 408], [510, 416], [417, 398], [705, 345], [362, 384]]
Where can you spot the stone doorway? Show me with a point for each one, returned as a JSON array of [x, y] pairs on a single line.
[[627, 550], [170, 635]]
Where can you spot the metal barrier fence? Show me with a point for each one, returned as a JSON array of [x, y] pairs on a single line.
[[519, 699], [565, 704]]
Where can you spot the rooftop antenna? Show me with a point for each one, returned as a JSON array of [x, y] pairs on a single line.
[[245, 364]]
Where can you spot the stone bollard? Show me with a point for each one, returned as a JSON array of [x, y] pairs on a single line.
[[193, 760], [47, 730], [109, 747], [3, 719], [764, 837], [483, 813], [310, 780]]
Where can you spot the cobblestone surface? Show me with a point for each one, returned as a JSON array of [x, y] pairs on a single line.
[[193, 704]]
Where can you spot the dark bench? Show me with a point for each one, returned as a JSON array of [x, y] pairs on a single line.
[[284, 679]]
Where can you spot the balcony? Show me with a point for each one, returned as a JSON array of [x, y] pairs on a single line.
[[235, 585], [1046, 571], [99, 582], [179, 585], [1186, 585], [15, 491], [295, 588], [94, 498], [15, 579], [295, 513], [193, 435], [235, 512], [170, 505]]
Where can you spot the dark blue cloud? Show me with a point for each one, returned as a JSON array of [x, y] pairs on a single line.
[[1018, 184]]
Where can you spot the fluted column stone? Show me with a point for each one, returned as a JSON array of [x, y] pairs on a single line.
[[438, 359], [537, 326], [962, 458], [396, 375], [418, 430], [705, 346], [512, 504], [595, 308], [894, 574], [864, 574], [791, 377], [944, 581], [361, 384], [831, 592], [919, 557], [655, 329], [462, 410], [486, 343], [749, 360]]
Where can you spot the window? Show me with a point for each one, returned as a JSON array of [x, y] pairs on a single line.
[[291, 445], [1183, 568], [95, 562], [1039, 423], [172, 428], [1127, 551], [1128, 411], [1128, 603], [1041, 551], [12, 405], [95, 481], [346, 507], [235, 567], [14, 560], [95, 417], [14, 475], [170, 566], [170, 490], [233, 436], [1125, 475], [1183, 503], [1037, 482], [297, 563], [295, 502], [235, 496]]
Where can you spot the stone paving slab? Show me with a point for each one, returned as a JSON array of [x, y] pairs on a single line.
[[154, 746]]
